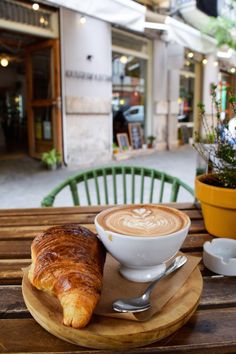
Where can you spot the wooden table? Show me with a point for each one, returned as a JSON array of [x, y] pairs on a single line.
[[212, 329]]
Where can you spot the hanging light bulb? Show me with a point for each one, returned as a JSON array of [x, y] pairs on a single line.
[[82, 20], [4, 62], [204, 61], [215, 63], [123, 59], [190, 55], [42, 20], [232, 70], [35, 6]]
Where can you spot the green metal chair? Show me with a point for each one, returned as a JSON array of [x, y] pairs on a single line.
[[118, 185]]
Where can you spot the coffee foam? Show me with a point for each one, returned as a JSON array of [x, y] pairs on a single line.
[[143, 220]]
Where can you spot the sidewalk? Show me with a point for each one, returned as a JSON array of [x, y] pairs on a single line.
[[23, 182]]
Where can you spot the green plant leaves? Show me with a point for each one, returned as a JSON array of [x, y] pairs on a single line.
[[51, 157], [221, 29], [215, 143]]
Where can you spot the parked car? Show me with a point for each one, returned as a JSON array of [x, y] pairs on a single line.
[[134, 114]]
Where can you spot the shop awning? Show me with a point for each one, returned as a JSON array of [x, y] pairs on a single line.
[[189, 37], [182, 33], [126, 13]]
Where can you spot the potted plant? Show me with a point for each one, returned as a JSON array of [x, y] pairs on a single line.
[[150, 141], [216, 189], [51, 159], [115, 148]]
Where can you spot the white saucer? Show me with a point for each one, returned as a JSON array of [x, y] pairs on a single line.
[[219, 256], [142, 275]]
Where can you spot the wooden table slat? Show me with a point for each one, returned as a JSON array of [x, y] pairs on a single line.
[[20, 248], [47, 220], [29, 232], [77, 209], [212, 295], [221, 325]]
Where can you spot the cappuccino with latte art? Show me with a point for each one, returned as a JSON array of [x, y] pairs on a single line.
[[143, 220]]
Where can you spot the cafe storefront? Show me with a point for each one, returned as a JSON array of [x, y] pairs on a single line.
[[29, 80], [56, 90]]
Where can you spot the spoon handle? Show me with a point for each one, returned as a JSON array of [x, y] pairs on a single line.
[[176, 264]]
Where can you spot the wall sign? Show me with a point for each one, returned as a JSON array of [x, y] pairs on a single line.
[[184, 134], [87, 105], [87, 76]]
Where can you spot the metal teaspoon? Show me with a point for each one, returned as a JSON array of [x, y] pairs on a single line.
[[142, 303]]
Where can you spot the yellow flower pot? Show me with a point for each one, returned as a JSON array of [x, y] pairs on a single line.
[[218, 208]]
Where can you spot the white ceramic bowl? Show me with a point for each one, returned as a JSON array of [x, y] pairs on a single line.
[[219, 256], [142, 258]]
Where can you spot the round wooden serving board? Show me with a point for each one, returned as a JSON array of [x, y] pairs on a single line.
[[110, 333]]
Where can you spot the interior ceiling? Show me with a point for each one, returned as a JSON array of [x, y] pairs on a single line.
[[12, 44], [12, 47], [150, 3]]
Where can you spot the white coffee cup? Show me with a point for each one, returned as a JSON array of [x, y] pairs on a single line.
[[142, 238]]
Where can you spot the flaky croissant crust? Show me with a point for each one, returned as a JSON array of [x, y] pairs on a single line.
[[67, 262]]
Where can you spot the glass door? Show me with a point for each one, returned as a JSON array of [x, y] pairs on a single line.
[[128, 92], [186, 103], [43, 97]]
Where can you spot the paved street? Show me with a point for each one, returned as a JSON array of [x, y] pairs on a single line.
[[23, 182]]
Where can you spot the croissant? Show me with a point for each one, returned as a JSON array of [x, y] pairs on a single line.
[[67, 262]]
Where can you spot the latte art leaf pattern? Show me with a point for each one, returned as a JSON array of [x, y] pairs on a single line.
[[149, 221], [141, 212], [140, 223]]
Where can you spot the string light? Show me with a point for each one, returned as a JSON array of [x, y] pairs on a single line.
[[35, 6], [232, 70], [204, 61], [4, 62], [190, 55], [82, 20]]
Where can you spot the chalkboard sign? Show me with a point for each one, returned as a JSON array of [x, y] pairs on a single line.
[[123, 141], [184, 134], [135, 134]]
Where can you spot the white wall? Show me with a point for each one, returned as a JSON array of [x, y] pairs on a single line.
[[87, 101], [167, 61], [210, 76]]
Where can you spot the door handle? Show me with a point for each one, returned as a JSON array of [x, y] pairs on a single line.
[[57, 102]]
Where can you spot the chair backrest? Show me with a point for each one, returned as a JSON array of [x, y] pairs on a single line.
[[119, 185]]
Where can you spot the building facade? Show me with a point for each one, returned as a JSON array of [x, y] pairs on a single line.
[[71, 80]]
